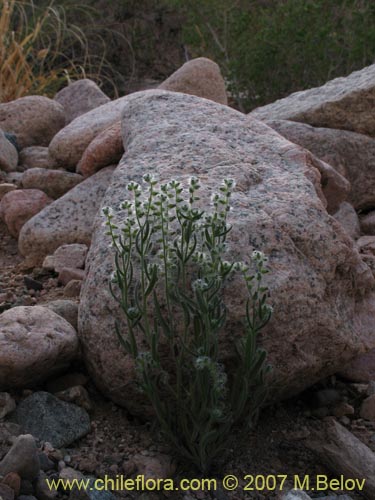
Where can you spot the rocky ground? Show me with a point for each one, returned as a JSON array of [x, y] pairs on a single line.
[[311, 210], [121, 444]]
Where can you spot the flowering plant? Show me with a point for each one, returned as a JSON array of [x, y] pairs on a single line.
[[168, 279]]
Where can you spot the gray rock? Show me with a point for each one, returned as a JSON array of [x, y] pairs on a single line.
[[75, 213], [55, 183], [349, 220], [49, 419], [22, 458], [351, 154], [8, 154], [344, 103], [80, 97], [67, 309], [33, 119], [276, 209], [35, 343]]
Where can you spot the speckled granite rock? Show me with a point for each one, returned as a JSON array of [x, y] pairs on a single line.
[[36, 157], [105, 149], [320, 288], [67, 220], [73, 255], [349, 220], [33, 119], [351, 154], [80, 97], [55, 183], [19, 206], [201, 77], [8, 154], [49, 419], [68, 146], [345, 103], [35, 344]]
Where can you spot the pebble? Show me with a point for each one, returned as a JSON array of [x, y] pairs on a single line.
[[22, 458]]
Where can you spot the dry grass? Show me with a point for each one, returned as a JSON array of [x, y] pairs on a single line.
[[40, 51]]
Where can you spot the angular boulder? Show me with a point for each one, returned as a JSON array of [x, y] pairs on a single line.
[[351, 154], [20, 205], [34, 119], [80, 97], [49, 419], [106, 149], [201, 77], [55, 183], [8, 154], [69, 219], [35, 343], [344, 103], [321, 290]]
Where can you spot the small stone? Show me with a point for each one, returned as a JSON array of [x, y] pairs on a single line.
[[22, 458], [77, 395], [50, 419], [32, 284], [368, 408], [371, 388], [157, 466], [73, 288], [68, 274], [7, 404], [72, 256], [13, 480], [343, 409], [69, 474]]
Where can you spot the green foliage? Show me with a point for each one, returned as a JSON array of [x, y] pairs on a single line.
[[168, 279], [270, 48]]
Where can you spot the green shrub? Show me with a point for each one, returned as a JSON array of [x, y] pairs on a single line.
[[270, 48], [168, 279]]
